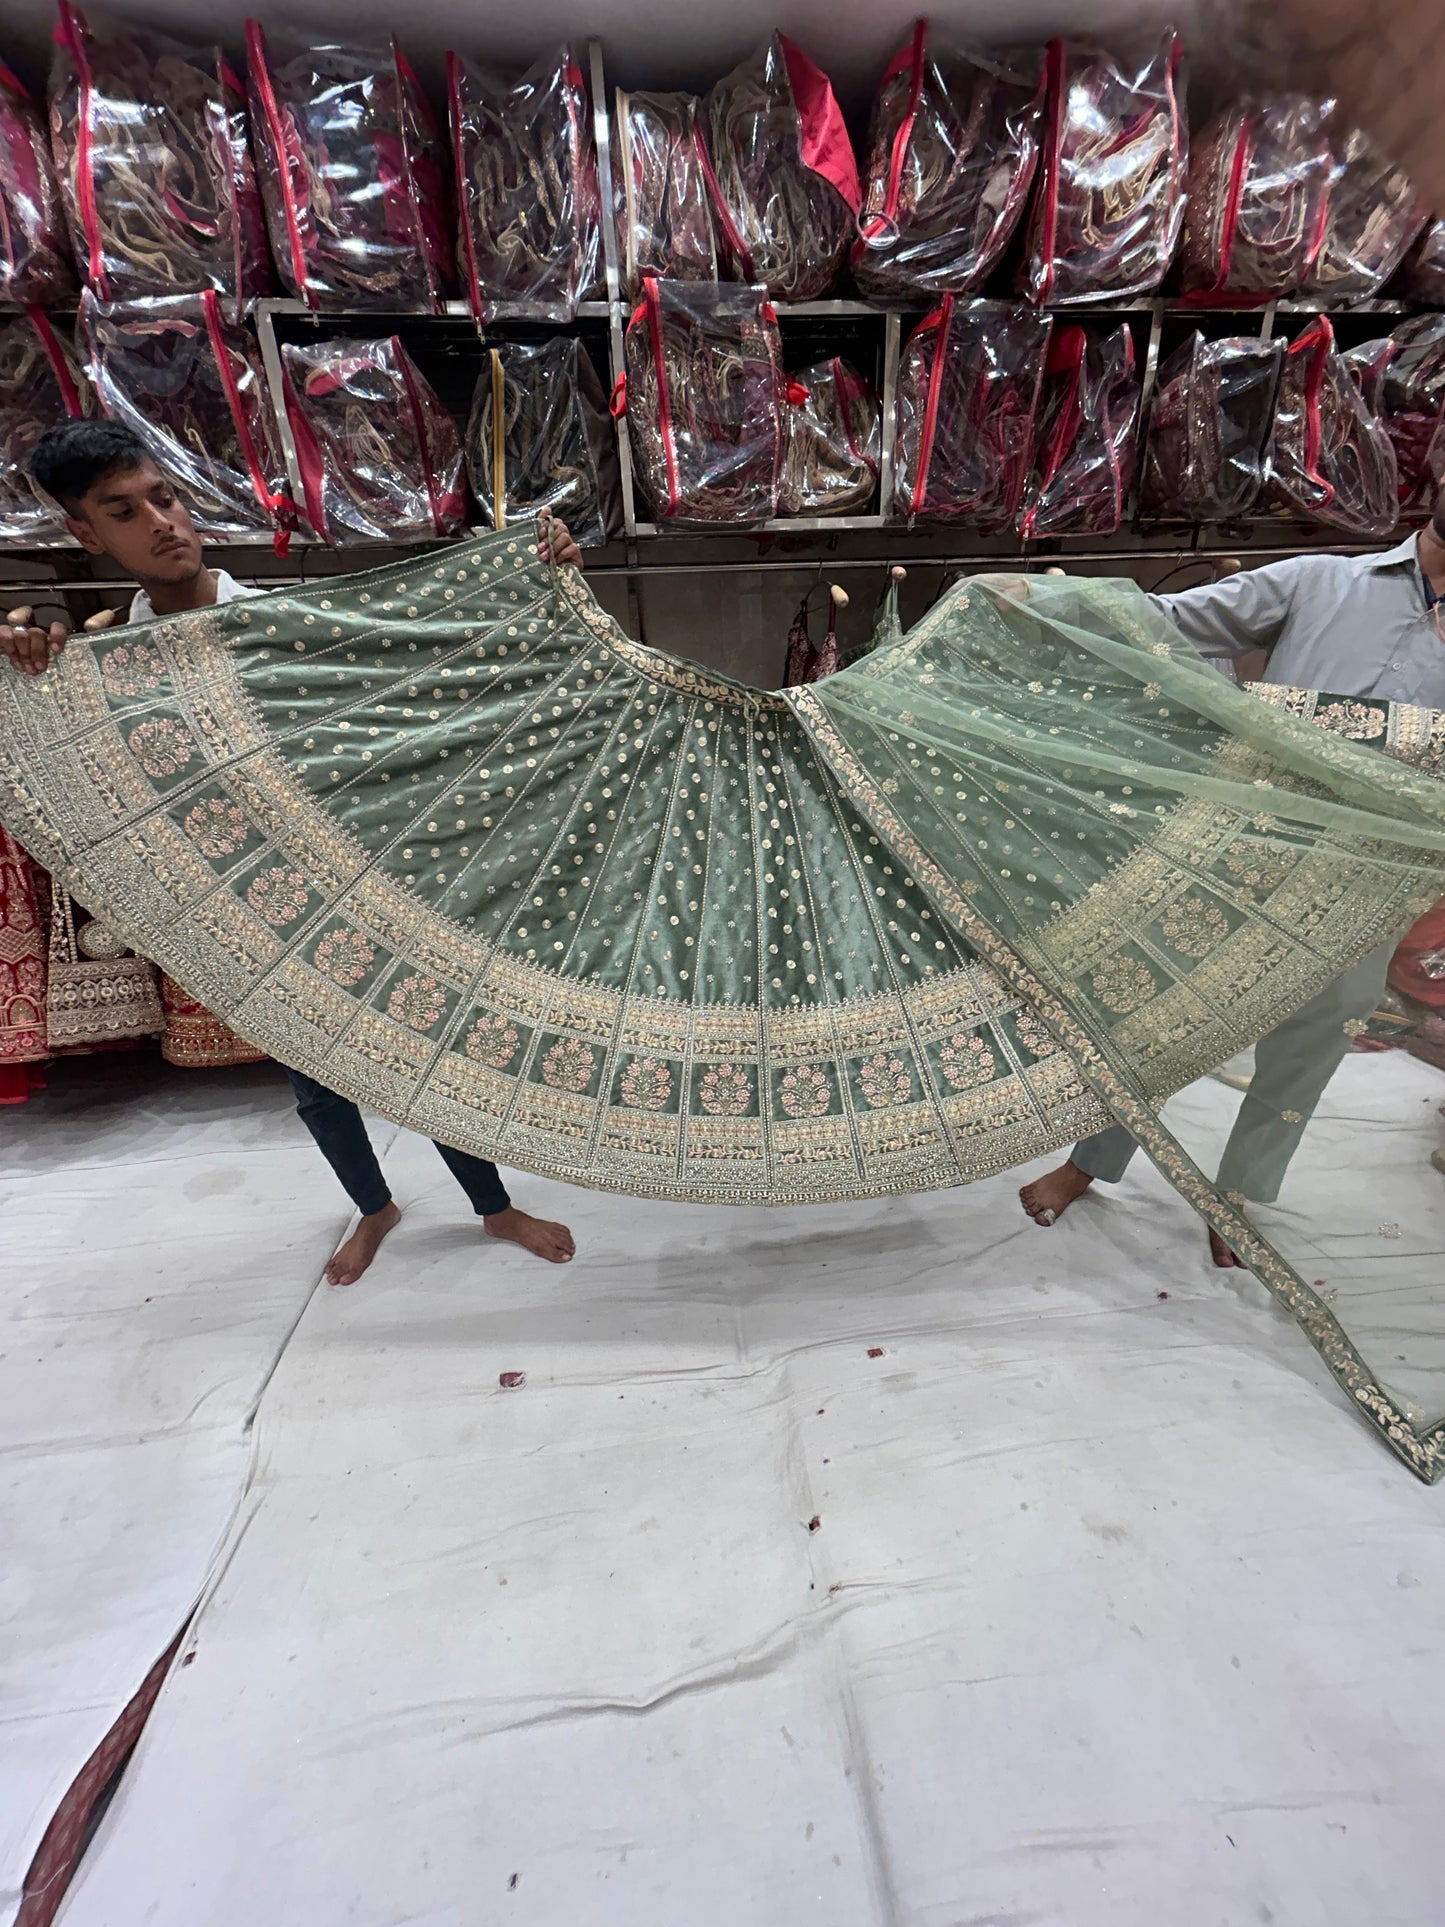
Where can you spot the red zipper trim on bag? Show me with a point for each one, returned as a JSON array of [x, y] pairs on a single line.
[[1064, 428], [1048, 232], [1239, 167], [55, 355], [848, 390], [664, 398], [406, 75], [1318, 350], [261, 73], [464, 217], [575, 88], [942, 320], [70, 33], [413, 401], [309, 458], [725, 220], [274, 505], [881, 222]]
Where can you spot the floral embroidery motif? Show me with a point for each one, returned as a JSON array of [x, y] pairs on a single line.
[[492, 1041], [344, 956], [886, 1080], [161, 747], [216, 826], [134, 669], [966, 1060], [567, 1066], [725, 1091], [1358, 721], [1194, 926], [1034, 1034], [646, 1084], [280, 895], [1262, 867], [1122, 984], [805, 1092], [417, 1002]]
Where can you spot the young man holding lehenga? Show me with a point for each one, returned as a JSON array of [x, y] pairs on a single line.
[[118, 504]]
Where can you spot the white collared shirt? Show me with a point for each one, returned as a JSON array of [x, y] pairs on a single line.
[[227, 590]]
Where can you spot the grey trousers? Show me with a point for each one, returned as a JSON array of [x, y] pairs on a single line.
[[1292, 1066]]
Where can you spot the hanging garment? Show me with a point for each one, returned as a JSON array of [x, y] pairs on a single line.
[[444, 838], [23, 1043]]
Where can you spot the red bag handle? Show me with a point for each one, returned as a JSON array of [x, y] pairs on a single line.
[[55, 355], [942, 320], [70, 31]]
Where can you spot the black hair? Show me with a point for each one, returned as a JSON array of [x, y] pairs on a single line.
[[71, 458]]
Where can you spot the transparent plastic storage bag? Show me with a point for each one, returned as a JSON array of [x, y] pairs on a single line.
[[1330, 459], [666, 204], [528, 206], [191, 385], [1402, 379], [1258, 199], [380, 458], [1087, 434], [833, 430], [1372, 217], [1109, 192], [36, 268], [354, 174], [150, 141], [968, 395], [40, 385], [1208, 429], [787, 179], [705, 397], [954, 144], [539, 437]]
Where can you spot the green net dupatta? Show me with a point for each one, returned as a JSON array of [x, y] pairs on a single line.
[[444, 838]]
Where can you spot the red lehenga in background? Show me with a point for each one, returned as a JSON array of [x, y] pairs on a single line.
[[23, 1047]]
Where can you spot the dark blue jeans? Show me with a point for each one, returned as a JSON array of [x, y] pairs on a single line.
[[340, 1134]]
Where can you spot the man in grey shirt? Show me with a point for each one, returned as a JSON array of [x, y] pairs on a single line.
[[1355, 625]]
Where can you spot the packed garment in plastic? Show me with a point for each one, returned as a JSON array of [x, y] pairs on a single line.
[[666, 196], [1209, 422], [191, 385], [1373, 216], [1087, 435], [1258, 198], [968, 395], [833, 430], [1109, 192], [36, 269], [705, 396], [380, 458], [1422, 276], [354, 174], [539, 437], [40, 385], [953, 148], [787, 179], [1402, 379], [528, 206], [150, 141], [1329, 459]]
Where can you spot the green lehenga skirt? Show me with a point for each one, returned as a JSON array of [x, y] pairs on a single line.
[[446, 839]]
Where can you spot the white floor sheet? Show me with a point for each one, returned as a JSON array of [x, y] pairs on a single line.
[[899, 1563]]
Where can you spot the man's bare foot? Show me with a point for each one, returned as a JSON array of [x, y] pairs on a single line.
[[362, 1246], [1049, 1197], [1220, 1252], [550, 1241]]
